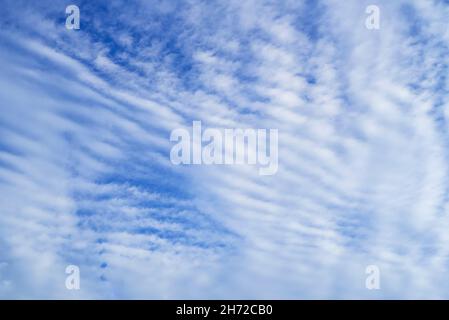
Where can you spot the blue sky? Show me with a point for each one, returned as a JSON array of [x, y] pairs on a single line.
[[86, 179]]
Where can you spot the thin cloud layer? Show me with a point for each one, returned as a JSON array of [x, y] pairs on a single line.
[[86, 178]]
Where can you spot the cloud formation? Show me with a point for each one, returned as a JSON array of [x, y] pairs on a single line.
[[86, 178]]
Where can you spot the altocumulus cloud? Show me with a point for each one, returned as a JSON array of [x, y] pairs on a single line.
[[86, 179]]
